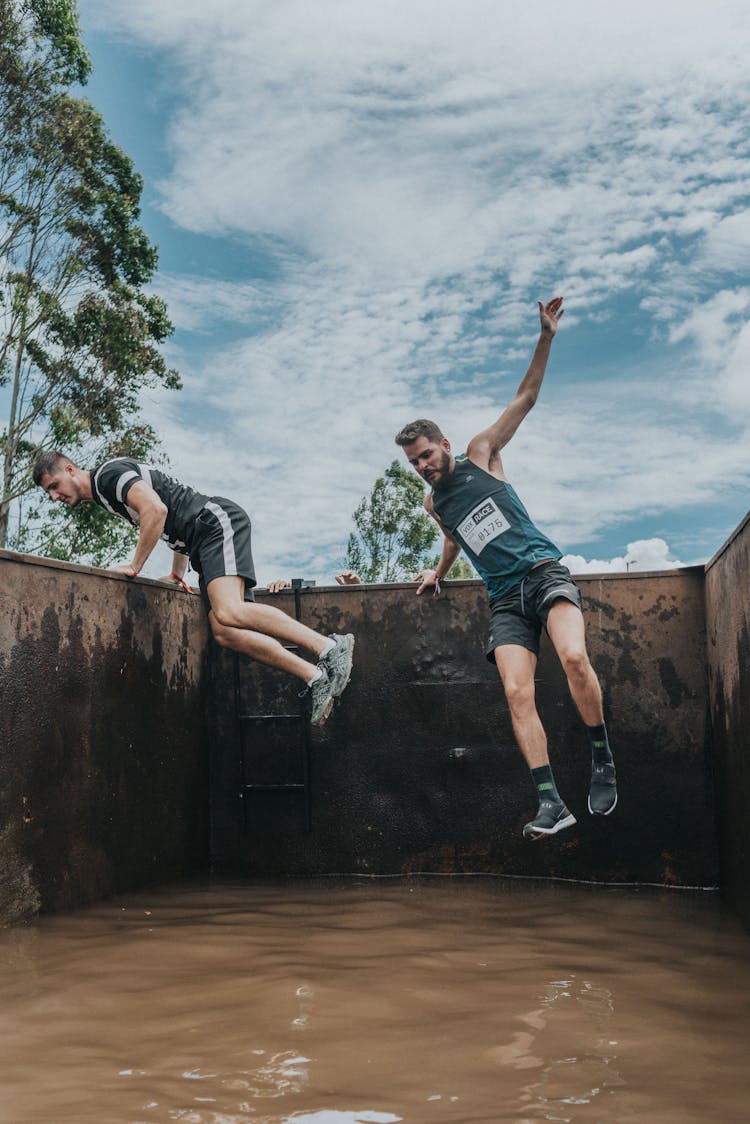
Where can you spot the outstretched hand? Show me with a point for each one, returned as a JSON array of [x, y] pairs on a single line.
[[550, 315], [279, 584], [348, 577], [426, 578]]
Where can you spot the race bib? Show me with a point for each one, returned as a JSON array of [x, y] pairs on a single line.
[[482, 525]]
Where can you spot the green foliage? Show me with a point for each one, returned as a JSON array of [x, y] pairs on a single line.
[[85, 531], [392, 530], [461, 568], [56, 22], [79, 337]]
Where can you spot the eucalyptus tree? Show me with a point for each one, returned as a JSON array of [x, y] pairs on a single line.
[[80, 332]]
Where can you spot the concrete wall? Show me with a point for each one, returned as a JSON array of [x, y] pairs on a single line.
[[728, 614], [114, 705], [103, 775], [417, 769]]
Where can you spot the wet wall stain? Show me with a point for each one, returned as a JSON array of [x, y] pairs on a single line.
[[664, 608], [417, 768], [673, 687], [103, 772], [104, 743], [728, 606], [620, 635], [19, 896]]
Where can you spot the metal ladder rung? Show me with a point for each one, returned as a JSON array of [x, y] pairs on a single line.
[[273, 787], [271, 717], [246, 736]]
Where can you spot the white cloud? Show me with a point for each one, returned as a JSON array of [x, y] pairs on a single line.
[[196, 303], [737, 374], [720, 328], [727, 243], [424, 172], [449, 137], [645, 554]]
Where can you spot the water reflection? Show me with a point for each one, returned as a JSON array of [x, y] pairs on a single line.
[[447, 1001], [334, 1116], [566, 1038]]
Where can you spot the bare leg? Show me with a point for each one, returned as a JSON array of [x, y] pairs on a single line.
[[264, 649], [516, 666], [257, 630], [566, 630]]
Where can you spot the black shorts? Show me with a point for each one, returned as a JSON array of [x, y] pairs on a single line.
[[221, 546], [517, 617]]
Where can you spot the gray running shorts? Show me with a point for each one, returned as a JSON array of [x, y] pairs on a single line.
[[518, 617], [221, 546]]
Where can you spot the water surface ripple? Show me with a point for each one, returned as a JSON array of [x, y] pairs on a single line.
[[462, 1001]]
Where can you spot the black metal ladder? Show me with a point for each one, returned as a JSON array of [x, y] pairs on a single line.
[[258, 721]]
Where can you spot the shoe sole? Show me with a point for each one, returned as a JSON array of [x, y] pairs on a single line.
[[326, 712], [541, 832], [593, 813]]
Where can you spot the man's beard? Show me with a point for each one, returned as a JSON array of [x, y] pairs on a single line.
[[442, 479]]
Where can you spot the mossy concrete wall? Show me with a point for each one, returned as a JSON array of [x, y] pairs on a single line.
[[103, 774], [417, 769], [728, 615]]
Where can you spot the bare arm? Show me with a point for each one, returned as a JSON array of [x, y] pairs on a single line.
[[484, 449], [450, 552], [152, 514]]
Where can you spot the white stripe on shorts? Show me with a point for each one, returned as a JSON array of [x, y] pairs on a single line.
[[230, 562], [558, 591]]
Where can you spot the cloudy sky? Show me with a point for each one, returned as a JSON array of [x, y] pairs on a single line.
[[357, 206]]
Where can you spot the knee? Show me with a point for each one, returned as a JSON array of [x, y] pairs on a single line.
[[225, 617], [576, 664], [223, 634], [519, 693]]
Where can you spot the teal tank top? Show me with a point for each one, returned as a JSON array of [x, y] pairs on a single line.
[[493, 527]]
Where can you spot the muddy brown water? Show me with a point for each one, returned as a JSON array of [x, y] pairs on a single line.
[[376, 1002]]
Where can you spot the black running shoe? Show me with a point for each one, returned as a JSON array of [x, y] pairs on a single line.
[[552, 816], [603, 790]]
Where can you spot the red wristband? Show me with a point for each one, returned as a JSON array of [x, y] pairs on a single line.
[[179, 581]]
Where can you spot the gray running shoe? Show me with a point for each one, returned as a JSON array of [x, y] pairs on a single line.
[[603, 790], [552, 816], [338, 662], [322, 699]]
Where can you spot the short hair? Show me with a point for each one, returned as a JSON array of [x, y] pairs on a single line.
[[422, 427], [47, 463]]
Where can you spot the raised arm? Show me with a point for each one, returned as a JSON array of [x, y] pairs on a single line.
[[483, 449], [152, 514]]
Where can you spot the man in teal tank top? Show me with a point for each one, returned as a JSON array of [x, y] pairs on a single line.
[[478, 511]]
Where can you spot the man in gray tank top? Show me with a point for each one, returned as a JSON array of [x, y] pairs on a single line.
[[478, 511]]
